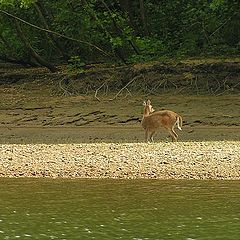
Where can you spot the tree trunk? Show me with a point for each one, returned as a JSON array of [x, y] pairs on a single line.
[[38, 6], [17, 61], [126, 7], [117, 52], [5, 42], [32, 52], [119, 29], [143, 17], [11, 58]]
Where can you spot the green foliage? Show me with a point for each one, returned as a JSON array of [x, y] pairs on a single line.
[[188, 47], [76, 65], [151, 48], [170, 29], [27, 3], [216, 4], [116, 42], [7, 2], [21, 3]]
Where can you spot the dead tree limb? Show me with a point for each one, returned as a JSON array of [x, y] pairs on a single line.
[[223, 24], [32, 52], [65, 91], [96, 92], [136, 77], [229, 89]]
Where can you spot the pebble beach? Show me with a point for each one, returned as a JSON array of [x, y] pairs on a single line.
[[161, 160]]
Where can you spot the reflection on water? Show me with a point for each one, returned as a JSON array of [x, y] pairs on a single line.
[[119, 209]]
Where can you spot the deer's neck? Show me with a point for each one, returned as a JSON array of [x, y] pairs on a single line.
[[146, 112]]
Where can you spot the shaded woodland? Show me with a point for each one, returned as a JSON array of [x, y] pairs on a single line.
[[79, 32]]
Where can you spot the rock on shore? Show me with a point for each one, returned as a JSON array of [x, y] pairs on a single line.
[[182, 160]]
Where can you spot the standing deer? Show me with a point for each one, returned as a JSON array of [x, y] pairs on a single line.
[[151, 121]]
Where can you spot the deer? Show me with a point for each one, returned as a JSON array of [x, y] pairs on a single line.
[[153, 120]]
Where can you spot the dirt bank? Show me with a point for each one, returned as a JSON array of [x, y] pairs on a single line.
[[33, 97], [195, 76]]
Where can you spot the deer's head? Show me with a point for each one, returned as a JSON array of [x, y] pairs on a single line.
[[148, 109]]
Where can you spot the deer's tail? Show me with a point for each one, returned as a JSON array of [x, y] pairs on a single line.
[[179, 122]]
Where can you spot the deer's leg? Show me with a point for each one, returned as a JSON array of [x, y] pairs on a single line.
[[173, 135], [151, 136], [146, 135]]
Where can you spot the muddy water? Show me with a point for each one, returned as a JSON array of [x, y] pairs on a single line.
[[119, 209]]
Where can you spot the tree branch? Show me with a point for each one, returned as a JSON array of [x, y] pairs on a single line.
[[125, 87], [55, 33]]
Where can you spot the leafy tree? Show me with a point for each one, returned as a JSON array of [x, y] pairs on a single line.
[[44, 32]]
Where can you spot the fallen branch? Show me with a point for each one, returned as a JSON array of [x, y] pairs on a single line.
[[65, 91], [129, 93], [95, 95], [228, 89], [222, 25], [136, 77], [155, 87], [195, 82], [219, 85]]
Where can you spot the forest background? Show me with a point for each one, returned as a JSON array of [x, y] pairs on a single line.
[[80, 32]]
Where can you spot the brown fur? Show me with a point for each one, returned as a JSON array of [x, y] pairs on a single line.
[[152, 121]]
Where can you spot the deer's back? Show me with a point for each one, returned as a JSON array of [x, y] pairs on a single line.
[[165, 118]]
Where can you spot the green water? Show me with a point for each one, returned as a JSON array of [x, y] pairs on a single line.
[[119, 209]]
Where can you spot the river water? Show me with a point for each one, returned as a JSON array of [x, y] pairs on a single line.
[[119, 209]]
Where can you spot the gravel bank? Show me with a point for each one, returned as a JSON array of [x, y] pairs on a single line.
[[182, 160]]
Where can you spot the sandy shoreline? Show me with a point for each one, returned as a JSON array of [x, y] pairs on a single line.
[[182, 160]]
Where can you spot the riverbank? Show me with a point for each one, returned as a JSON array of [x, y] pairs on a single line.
[[88, 125], [182, 160]]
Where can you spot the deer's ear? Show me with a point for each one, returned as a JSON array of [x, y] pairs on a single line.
[[148, 102], [144, 103]]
